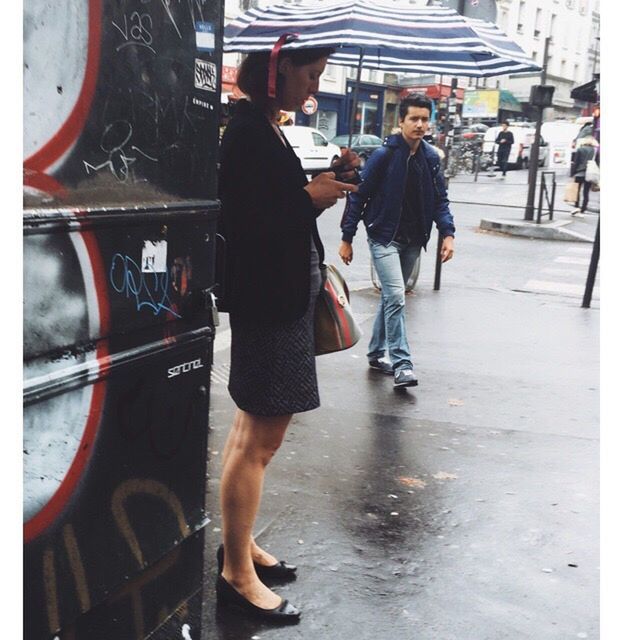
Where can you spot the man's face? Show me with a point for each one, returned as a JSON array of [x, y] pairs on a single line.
[[415, 124], [505, 127]]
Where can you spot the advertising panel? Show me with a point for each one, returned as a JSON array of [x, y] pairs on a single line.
[[481, 103]]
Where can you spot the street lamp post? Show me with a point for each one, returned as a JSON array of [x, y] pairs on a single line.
[[535, 149]]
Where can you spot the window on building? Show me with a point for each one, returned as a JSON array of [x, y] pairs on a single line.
[[534, 55], [521, 17], [538, 22], [330, 72], [552, 25], [576, 72], [504, 18], [563, 68]]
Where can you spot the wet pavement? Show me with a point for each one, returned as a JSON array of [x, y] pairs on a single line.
[[465, 508]]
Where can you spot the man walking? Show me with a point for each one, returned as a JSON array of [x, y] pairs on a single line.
[[401, 195], [504, 140]]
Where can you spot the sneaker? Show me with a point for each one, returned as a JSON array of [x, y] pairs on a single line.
[[404, 378], [381, 366], [574, 211]]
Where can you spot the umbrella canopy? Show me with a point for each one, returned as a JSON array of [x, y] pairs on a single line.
[[365, 33]]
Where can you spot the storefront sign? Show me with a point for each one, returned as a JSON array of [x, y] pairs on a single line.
[[229, 74]]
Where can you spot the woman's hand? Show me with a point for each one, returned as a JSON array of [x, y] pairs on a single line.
[[325, 190], [346, 165]]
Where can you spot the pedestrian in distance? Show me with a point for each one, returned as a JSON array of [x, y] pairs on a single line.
[[401, 195], [504, 140], [585, 152], [272, 280]]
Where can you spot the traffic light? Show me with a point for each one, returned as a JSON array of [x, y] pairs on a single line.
[[541, 95]]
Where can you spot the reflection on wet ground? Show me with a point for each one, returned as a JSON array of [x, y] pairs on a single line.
[[413, 529]]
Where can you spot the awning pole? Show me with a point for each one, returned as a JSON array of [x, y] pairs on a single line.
[[354, 97]]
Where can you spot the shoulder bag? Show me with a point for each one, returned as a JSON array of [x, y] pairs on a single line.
[[335, 326]]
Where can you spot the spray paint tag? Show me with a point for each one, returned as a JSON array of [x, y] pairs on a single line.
[[154, 256], [205, 38]]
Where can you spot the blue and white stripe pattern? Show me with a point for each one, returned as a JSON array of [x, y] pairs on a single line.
[[417, 39]]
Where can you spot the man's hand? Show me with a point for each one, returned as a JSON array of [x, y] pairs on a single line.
[[325, 190], [345, 251], [446, 253]]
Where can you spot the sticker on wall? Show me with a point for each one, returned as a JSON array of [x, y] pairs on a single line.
[[205, 75], [205, 39], [154, 256], [203, 103]]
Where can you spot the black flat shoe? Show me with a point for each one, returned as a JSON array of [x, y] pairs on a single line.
[[285, 613], [281, 572]]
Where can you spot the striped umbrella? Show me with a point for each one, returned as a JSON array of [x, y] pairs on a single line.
[[367, 34]]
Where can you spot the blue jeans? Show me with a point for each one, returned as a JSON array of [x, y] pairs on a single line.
[[394, 265]]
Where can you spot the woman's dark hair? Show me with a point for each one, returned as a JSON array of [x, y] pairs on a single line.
[[254, 70], [415, 100]]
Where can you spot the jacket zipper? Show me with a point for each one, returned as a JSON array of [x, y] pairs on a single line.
[[404, 186]]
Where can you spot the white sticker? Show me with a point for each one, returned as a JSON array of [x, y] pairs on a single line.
[[154, 256], [205, 75], [205, 38]]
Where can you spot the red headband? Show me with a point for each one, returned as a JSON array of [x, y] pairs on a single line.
[[273, 61]]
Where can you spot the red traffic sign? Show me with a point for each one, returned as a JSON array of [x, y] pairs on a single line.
[[309, 106]]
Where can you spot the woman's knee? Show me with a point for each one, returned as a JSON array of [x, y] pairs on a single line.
[[258, 437]]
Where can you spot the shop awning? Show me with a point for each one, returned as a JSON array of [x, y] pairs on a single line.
[[587, 92]]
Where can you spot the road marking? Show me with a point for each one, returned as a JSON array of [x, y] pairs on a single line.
[[220, 373], [583, 250], [571, 260], [573, 273], [558, 287]]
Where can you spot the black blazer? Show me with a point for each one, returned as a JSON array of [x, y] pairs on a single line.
[[268, 220]]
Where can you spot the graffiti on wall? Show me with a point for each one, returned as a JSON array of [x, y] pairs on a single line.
[[64, 564], [112, 141]]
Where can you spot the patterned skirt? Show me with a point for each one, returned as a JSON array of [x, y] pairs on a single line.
[[273, 366]]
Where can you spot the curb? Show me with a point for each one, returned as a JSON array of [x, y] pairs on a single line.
[[542, 231]]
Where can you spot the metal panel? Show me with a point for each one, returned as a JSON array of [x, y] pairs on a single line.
[[121, 132]]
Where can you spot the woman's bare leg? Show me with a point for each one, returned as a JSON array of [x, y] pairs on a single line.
[[251, 444]]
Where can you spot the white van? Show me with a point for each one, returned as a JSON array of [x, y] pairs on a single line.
[[313, 149], [559, 135], [523, 137]]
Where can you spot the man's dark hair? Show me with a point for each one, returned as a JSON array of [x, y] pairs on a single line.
[[415, 100], [506, 122], [254, 70]]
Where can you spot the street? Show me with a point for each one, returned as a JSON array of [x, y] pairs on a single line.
[[465, 508]]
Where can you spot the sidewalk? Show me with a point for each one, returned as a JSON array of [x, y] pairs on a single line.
[[465, 508], [507, 198]]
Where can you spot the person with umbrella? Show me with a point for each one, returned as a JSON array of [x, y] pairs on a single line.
[[271, 285]]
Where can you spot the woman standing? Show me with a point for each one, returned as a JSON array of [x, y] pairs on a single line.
[[272, 282], [585, 152]]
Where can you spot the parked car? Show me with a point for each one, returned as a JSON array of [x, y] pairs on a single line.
[[313, 149], [474, 131], [523, 137], [363, 144]]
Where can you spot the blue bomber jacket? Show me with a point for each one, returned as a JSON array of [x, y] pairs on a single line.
[[380, 195]]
